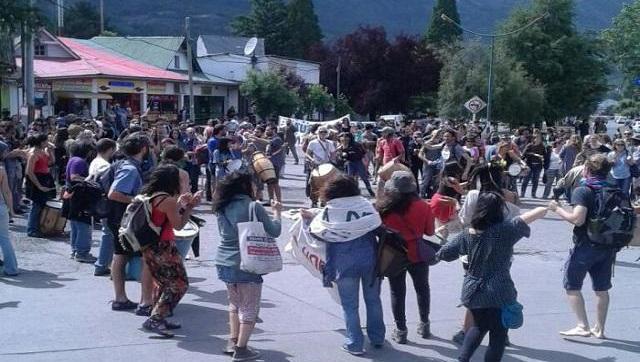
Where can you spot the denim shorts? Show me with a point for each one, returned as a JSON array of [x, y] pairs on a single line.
[[233, 275], [586, 258]]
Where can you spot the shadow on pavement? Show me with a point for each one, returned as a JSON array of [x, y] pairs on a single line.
[[36, 279], [620, 344], [449, 353], [9, 304], [201, 327], [626, 264], [547, 355]]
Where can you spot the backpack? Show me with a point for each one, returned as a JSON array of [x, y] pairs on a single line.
[[391, 256], [101, 207], [137, 231], [613, 221], [202, 154]]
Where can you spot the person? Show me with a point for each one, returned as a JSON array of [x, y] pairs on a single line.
[[231, 204], [219, 131], [621, 160], [290, 140], [9, 260], [126, 184], [191, 142], [350, 259], [222, 156], [174, 155], [445, 200], [591, 146], [554, 169], [319, 151], [275, 152], [489, 243], [413, 154], [352, 154], [105, 149], [77, 171], [40, 182], [389, 147], [569, 152], [431, 157], [403, 211], [170, 210], [534, 155], [60, 153], [369, 141], [585, 257], [453, 151]]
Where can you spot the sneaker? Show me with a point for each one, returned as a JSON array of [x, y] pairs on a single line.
[[458, 338], [244, 354], [158, 327], [144, 310], [126, 305], [353, 352], [172, 325], [230, 348], [424, 330], [598, 333], [578, 331], [102, 272], [72, 255], [399, 336], [86, 258]]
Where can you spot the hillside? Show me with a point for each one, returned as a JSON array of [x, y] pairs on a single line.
[[337, 17]]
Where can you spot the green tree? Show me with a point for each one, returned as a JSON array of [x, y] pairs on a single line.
[[268, 20], [569, 65], [517, 99], [441, 32], [342, 107], [628, 108], [269, 94], [305, 31], [623, 41], [15, 13], [317, 99], [82, 20]]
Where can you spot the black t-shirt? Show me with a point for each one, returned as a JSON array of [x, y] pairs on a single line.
[[583, 196]]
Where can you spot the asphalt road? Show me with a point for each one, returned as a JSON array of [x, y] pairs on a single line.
[[56, 310]]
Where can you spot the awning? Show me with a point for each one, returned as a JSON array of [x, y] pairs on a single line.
[[82, 95]]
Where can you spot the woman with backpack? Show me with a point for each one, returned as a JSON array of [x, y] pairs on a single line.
[[347, 224], [232, 202], [170, 210], [403, 211], [488, 290]]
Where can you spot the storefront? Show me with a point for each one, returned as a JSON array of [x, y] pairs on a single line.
[[74, 96], [128, 93], [162, 102]]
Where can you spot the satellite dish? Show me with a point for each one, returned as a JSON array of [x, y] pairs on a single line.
[[250, 47]]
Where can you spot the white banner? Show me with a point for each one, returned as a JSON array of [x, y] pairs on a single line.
[[303, 125]]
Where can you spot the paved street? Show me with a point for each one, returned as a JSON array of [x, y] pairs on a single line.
[[56, 310]]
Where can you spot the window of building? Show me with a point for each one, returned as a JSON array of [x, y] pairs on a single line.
[[40, 50], [176, 61]]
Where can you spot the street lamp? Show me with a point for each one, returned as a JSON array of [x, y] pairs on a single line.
[[493, 37]]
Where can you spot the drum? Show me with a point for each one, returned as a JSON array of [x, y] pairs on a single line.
[[234, 165], [263, 167], [390, 167], [514, 170], [51, 220], [321, 175], [185, 237]]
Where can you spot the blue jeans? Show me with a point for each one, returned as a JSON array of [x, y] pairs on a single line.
[[428, 172], [348, 289], [105, 255], [624, 184], [14, 177], [33, 222], [356, 168], [80, 237], [8, 255]]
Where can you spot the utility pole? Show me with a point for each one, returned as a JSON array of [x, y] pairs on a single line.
[[27, 70], [60, 16], [338, 68], [187, 29], [101, 16]]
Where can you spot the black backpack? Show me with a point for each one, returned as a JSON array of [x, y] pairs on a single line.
[[613, 220], [104, 180], [391, 258]]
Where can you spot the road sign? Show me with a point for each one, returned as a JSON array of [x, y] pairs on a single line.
[[475, 105]]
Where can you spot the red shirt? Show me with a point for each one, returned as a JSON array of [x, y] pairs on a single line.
[[416, 221], [442, 210], [42, 164], [159, 218], [389, 149]]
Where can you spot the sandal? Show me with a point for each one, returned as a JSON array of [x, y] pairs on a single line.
[[172, 325], [126, 305], [157, 326]]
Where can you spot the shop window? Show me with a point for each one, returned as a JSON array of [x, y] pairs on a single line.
[[176, 61]]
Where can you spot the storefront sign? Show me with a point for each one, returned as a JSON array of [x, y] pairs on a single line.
[[120, 86], [72, 85], [43, 86], [156, 87]]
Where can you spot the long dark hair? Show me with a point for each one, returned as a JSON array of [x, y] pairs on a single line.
[[164, 178], [489, 176], [395, 203], [235, 183], [489, 211], [340, 186]]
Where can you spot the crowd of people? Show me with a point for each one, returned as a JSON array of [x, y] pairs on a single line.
[[446, 180]]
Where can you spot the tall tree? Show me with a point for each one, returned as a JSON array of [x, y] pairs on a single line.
[[517, 98], [267, 19], [441, 32], [82, 20], [305, 31], [569, 65], [623, 41], [269, 93]]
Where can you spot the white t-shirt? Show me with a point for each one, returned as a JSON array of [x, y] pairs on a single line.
[[555, 162], [469, 208], [97, 166], [321, 153]]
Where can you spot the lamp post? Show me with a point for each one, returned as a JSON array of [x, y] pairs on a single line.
[[493, 37]]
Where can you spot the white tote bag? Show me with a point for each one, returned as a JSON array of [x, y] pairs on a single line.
[[259, 253]]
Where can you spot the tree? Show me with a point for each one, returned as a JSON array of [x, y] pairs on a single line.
[[517, 98], [569, 65], [268, 20], [82, 20], [15, 13], [342, 106], [628, 108], [305, 31], [269, 93], [441, 32], [623, 41], [318, 100]]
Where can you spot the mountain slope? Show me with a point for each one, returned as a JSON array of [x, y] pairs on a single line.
[[337, 17]]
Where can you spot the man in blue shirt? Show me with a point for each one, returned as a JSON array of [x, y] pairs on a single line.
[[219, 131]]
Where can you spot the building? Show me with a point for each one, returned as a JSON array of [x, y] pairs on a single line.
[[213, 96]]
